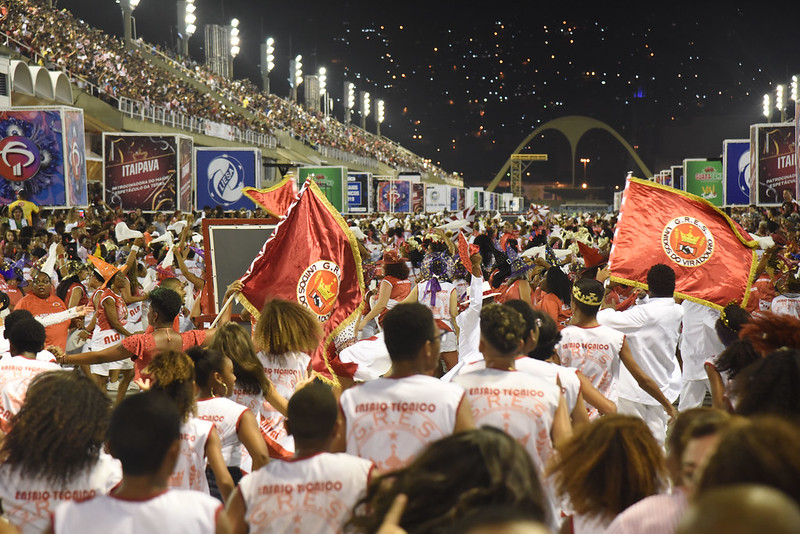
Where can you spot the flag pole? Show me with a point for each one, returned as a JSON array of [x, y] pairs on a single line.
[[221, 311]]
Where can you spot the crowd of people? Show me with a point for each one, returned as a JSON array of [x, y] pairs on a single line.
[[65, 42], [508, 384]]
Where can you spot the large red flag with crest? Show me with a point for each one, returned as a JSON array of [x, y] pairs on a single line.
[[312, 257], [713, 258], [276, 199]]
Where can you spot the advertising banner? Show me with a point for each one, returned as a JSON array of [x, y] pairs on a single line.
[[736, 169], [185, 156], [393, 196], [359, 192], [33, 156], [75, 168], [462, 199], [332, 181], [437, 198], [677, 176], [453, 199], [775, 170], [140, 171], [417, 197], [222, 174], [703, 178]]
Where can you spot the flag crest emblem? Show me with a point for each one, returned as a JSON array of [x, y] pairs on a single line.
[[318, 288], [687, 241]]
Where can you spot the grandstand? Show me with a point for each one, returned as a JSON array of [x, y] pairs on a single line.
[[138, 88]]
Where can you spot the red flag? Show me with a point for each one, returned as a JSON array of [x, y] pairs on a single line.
[[312, 257], [276, 199], [713, 259], [463, 252]]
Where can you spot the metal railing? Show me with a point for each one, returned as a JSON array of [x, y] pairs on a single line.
[[349, 157], [175, 119]]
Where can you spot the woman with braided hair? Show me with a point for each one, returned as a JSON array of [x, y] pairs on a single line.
[[529, 408], [53, 452], [173, 373]]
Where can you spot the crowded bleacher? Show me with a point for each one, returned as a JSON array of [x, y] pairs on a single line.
[[491, 372]]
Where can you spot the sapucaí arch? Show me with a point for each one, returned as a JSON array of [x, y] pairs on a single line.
[[573, 127]]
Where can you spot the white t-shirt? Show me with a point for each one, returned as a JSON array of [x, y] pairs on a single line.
[[285, 371], [390, 420], [29, 503], [15, 367], [595, 353], [190, 469], [787, 304], [520, 404], [310, 495], [174, 511], [226, 415]]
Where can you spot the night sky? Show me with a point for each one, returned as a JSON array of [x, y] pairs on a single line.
[[464, 83]]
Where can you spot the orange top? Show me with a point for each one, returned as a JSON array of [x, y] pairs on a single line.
[[57, 333], [556, 309]]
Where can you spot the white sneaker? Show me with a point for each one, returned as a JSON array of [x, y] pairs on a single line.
[[132, 386], [112, 386]]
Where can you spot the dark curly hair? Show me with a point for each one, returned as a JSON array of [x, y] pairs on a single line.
[[451, 479], [503, 327], [771, 386], [730, 321], [166, 302], [58, 433], [558, 283], [173, 373]]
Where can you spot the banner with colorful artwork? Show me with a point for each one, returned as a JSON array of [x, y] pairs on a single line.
[[75, 164], [703, 177], [359, 192], [332, 181], [417, 197], [222, 174], [34, 155], [453, 204], [140, 171], [462, 198], [393, 196], [186, 158], [736, 169], [775, 168]]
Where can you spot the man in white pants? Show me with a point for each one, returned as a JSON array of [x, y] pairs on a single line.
[[652, 328], [699, 343]]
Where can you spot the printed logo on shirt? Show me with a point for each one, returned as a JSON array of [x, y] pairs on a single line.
[[687, 241], [318, 288]]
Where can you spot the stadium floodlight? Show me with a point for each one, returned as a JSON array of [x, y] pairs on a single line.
[[780, 101], [133, 3], [350, 91], [270, 54], [379, 111], [793, 95], [298, 70], [323, 79], [767, 105], [234, 37], [365, 103], [190, 18]]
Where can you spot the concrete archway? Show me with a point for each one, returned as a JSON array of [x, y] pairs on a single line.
[[573, 127]]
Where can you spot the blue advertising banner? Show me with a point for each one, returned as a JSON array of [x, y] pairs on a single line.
[[358, 192], [222, 174], [736, 171], [454, 199]]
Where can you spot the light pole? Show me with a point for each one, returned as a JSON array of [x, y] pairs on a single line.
[[365, 109], [585, 161], [780, 101], [322, 76], [267, 61], [234, 44], [127, 7], [295, 75], [379, 115], [349, 101], [186, 26], [766, 107]]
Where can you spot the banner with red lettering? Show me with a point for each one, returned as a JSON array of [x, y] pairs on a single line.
[[276, 199], [713, 258], [312, 257]]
